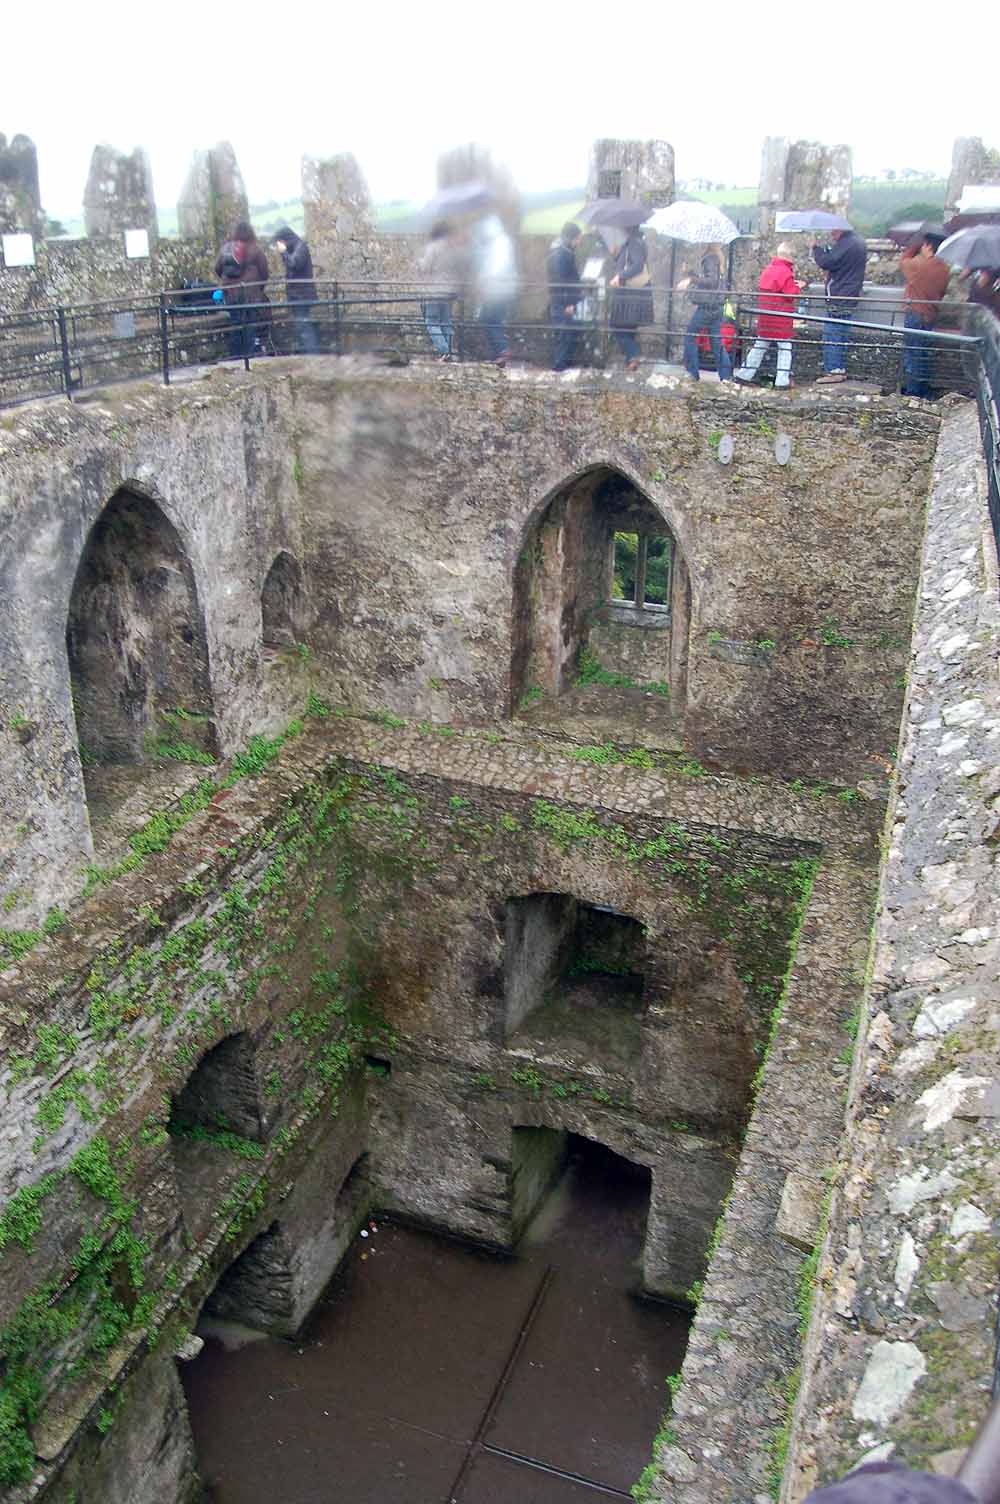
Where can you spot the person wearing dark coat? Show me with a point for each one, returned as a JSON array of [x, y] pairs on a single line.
[[844, 264], [300, 289], [632, 300], [241, 267], [565, 292], [708, 294]]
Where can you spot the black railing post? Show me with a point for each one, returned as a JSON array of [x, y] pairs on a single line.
[[164, 340], [460, 341], [67, 369], [336, 319]]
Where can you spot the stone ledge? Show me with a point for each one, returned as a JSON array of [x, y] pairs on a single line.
[[900, 1354]]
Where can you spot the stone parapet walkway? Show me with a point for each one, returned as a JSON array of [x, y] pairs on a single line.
[[901, 1351]]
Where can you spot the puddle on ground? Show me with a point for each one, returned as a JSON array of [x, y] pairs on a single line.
[[434, 1372]]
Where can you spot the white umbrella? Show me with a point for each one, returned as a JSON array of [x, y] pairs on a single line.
[[701, 224]]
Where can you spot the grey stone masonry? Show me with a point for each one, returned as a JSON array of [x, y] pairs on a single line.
[[900, 1354], [20, 203], [119, 192]]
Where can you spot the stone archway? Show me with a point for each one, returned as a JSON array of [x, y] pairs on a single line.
[[135, 639], [601, 594]]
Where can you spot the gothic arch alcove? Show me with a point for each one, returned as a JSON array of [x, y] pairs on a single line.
[[601, 611], [135, 641], [281, 603]]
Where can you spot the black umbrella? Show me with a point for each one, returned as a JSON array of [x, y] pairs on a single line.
[[620, 213], [974, 249], [904, 232]]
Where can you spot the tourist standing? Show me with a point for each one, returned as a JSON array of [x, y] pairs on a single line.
[[707, 293], [844, 264], [632, 299], [926, 277], [496, 283], [300, 289], [777, 292], [241, 267], [441, 266], [565, 292]]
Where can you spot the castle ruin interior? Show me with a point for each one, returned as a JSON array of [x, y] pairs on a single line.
[[478, 1024]]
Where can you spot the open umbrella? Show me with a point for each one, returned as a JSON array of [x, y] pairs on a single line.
[[621, 213], [701, 224], [974, 249], [460, 198], [904, 232], [810, 219]]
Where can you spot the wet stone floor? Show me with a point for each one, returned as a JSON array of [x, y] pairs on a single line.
[[437, 1373]]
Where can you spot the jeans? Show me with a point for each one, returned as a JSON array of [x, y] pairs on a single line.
[[916, 358], [437, 317], [709, 319], [628, 343], [835, 338], [306, 333], [493, 317], [751, 365], [567, 337]]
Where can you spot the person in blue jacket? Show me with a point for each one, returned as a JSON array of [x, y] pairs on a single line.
[[844, 264]]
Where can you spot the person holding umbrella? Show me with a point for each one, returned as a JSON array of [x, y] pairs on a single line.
[[975, 251], [926, 276], [632, 300], [843, 261]]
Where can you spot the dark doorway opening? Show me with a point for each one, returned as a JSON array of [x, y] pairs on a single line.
[[281, 603], [216, 1129], [601, 614], [574, 976], [138, 662]]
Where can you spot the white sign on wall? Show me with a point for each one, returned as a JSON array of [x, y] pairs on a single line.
[[18, 249], [136, 244]]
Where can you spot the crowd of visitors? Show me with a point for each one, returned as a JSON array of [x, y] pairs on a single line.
[[475, 260]]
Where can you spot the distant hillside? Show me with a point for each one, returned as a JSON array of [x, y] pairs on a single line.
[[875, 206]]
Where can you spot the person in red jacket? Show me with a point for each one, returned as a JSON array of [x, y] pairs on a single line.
[[777, 291]]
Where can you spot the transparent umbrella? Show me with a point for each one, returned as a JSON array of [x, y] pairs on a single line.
[[701, 224], [791, 220]]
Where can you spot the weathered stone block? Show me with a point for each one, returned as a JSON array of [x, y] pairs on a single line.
[[119, 193], [801, 1210]]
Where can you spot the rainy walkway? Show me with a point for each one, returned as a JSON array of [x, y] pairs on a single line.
[[434, 1373]]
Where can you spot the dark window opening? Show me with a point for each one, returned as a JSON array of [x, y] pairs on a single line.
[[563, 955], [378, 1065], [609, 182], [220, 1096]]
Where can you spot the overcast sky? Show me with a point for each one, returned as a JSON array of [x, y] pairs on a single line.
[[397, 83]]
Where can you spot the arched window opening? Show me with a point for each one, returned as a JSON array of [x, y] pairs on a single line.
[[135, 640], [281, 603], [601, 613]]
